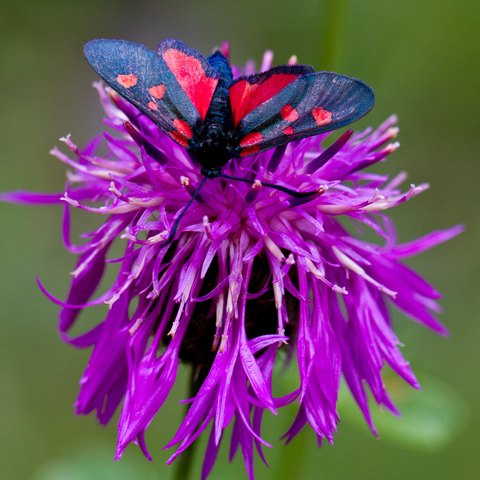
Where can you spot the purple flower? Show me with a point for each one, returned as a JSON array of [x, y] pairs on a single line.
[[252, 271]]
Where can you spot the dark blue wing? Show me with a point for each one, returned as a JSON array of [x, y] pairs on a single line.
[[171, 87], [309, 105]]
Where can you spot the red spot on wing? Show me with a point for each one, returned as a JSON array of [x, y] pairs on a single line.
[[191, 76], [127, 81], [289, 113], [251, 138], [288, 131], [245, 97], [182, 133], [249, 151], [152, 105], [321, 116], [158, 91], [183, 128], [178, 137]]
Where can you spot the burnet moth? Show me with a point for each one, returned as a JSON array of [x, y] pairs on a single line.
[[199, 105]]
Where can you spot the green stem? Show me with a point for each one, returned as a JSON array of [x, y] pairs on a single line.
[[295, 456], [332, 39], [185, 459], [184, 463]]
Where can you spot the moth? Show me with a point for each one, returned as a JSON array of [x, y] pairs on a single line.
[[199, 105]]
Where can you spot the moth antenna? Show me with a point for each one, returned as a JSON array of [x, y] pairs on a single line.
[[293, 193], [184, 211]]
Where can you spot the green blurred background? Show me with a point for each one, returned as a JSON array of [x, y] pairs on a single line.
[[422, 59]]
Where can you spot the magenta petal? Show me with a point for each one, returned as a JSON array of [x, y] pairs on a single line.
[[210, 455], [24, 197], [104, 382], [224, 396], [297, 425], [256, 378], [425, 243]]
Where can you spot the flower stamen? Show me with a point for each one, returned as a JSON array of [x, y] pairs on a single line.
[[349, 264]]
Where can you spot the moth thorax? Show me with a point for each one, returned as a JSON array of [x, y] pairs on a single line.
[[215, 136], [212, 149]]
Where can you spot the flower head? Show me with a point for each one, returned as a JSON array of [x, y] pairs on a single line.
[[252, 270]]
